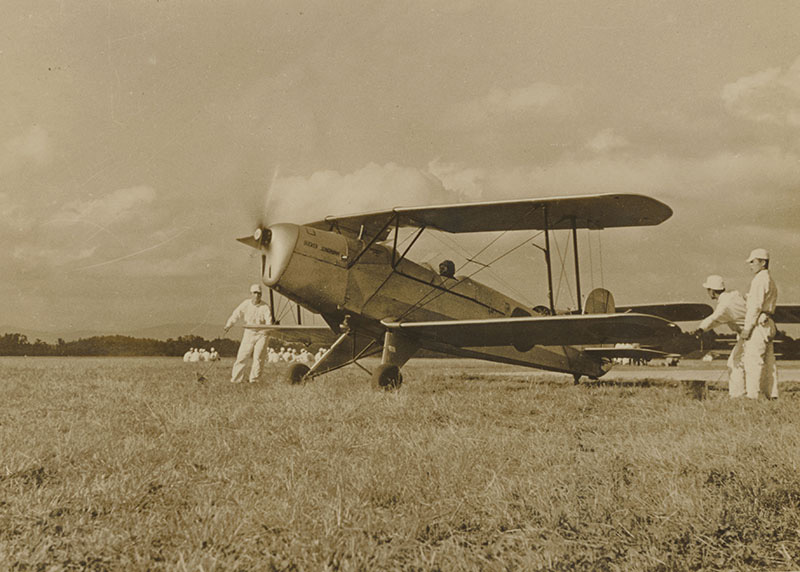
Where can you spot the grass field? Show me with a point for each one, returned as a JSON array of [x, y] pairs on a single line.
[[131, 464]]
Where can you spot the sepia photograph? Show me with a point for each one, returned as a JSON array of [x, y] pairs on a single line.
[[425, 286]]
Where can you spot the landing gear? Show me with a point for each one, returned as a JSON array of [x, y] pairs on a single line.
[[297, 372], [576, 378], [387, 377]]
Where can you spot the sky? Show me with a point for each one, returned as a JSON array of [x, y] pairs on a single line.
[[139, 138]]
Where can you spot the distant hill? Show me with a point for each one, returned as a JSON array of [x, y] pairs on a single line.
[[163, 332]]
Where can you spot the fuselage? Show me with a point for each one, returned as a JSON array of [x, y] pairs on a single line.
[[316, 269]]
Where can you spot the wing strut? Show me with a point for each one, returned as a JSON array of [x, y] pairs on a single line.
[[272, 306], [372, 241], [577, 266], [402, 256], [547, 260]]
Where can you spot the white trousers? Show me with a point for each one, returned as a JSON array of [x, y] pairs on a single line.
[[253, 344], [736, 385], [761, 373]]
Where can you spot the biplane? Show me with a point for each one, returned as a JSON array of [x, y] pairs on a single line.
[[375, 300]]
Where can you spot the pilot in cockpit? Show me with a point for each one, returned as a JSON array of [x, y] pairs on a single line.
[[447, 269]]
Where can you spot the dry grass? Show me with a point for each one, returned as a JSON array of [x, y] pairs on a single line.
[[131, 464]]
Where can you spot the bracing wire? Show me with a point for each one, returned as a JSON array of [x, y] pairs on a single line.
[[602, 279], [563, 273], [438, 292], [448, 242], [284, 307]]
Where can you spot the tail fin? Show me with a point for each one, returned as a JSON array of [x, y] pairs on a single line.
[[599, 301]]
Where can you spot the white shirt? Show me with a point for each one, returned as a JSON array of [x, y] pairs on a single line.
[[763, 297], [730, 311], [252, 314]]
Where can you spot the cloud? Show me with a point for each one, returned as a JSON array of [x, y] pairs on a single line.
[[50, 256], [466, 181], [501, 105], [181, 262], [771, 96], [754, 192], [373, 187], [82, 231], [32, 147], [606, 140], [115, 207]]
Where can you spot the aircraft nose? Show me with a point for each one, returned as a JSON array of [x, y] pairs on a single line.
[[262, 236], [276, 244]]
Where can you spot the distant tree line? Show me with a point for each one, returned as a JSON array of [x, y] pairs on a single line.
[[19, 345]]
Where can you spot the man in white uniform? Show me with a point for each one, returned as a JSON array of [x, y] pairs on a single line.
[[730, 311], [761, 374], [255, 313]]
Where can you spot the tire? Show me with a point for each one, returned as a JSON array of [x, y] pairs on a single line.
[[387, 377], [297, 373]]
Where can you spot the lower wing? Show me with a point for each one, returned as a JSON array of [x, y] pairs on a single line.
[[526, 332], [633, 353]]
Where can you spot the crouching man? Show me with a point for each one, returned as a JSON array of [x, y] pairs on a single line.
[[730, 311]]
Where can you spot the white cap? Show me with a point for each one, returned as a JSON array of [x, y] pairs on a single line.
[[758, 253], [714, 282], [255, 288]]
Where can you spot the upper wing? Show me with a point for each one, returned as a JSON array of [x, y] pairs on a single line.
[[788, 313], [544, 331], [304, 334], [586, 211], [674, 312]]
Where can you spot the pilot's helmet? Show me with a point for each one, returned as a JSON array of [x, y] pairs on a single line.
[[447, 268]]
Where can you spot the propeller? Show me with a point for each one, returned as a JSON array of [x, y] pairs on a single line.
[[262, 236]]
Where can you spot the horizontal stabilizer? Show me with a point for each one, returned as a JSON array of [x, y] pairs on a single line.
[[787, 314], [674, 312], [525, 332]]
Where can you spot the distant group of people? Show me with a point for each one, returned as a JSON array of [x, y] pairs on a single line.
[[751, 366], [200, 354], [291, 355]]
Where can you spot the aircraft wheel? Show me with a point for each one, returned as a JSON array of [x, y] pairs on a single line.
[[577, 378], [297, 371], [387, 377]]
